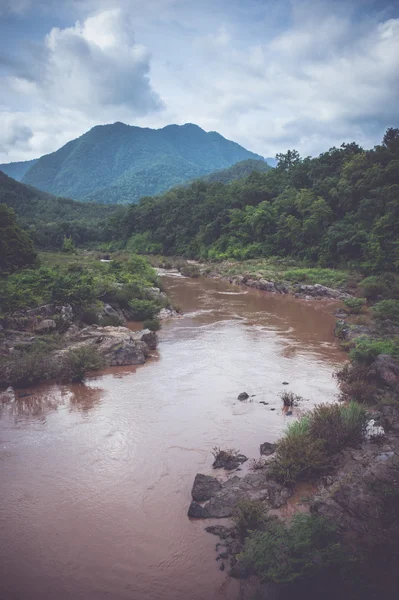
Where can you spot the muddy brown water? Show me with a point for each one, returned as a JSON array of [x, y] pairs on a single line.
[[95, 479]]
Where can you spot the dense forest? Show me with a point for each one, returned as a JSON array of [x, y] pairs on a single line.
[[49, 219], [341, 208], [120, 163], [17, 170], [238, 171]]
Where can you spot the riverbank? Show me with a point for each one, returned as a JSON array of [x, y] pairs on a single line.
[[82, 325]]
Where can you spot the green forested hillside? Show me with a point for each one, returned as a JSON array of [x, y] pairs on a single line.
[[238, 171], [338, 209], [17, 170], [119, 163], [49, 219]]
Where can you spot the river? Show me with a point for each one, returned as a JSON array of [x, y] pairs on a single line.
[[96, 478]]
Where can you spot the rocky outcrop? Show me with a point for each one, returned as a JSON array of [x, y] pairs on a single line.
[[118, 346], [167, 313], [254, 486], [385, 371], [115, 313], [45, 326], [318, 291]]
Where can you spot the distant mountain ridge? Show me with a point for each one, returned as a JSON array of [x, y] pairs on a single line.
[[121, 163], [17, 170]]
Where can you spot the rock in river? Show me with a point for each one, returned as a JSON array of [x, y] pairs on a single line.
[[204, 487], [228, 460], [243, 396]]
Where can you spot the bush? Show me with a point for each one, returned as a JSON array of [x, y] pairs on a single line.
[[28, 368], [142, 310], [152, 324], [189, 270], [284, 554], [387, 309], [373, 287], [80, 360], [90, 317], [355, 305], [298, 455], [338, 425], [111, 321], [249, 515], [367, 349]]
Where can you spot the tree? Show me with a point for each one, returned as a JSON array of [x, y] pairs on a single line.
[[16, 247]]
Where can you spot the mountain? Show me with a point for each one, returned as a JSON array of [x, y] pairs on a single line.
[[120, 163], [238, 171], [271, 161], [17, 170], [49, 218]]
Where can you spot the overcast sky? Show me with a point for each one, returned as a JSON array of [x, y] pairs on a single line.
[[269, 74]]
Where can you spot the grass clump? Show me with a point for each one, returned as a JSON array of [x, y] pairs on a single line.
[[306, 548], [249, 515], [327, 277], [308, 447], [290, 399]]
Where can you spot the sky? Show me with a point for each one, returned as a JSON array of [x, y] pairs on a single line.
[[271, 75]]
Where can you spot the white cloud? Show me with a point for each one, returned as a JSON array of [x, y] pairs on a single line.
[[310, 76]]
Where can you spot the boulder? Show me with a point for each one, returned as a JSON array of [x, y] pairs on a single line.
[[167, 313], [267, 448], [204, 487], [109, 311], [150, 338], [45, 326], [243, 396], [196, 511]]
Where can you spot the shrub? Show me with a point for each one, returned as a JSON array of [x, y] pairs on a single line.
[[90, 317], [284, 554], [355, 305], [80, 360], [298, 455], [367, 349], [189, 270], [338, 425], [373, 287], [249, 515], [111, 321], [152, 324], [28, 368], [143, 309], [387, 309]]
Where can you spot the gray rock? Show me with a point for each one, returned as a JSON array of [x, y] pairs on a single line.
[[243, 396], [385, 370], [204, 487], [267, 448], [228, 460], [45, 326], [109, 311], [196, 511]]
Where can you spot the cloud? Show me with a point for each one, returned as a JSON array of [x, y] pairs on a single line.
[[303, 74], [14, 135]]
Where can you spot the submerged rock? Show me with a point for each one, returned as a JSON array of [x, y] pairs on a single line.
[[204, 487], [243, 396]]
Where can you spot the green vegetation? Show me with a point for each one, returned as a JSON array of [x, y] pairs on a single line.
[[336, 210], [249, 515], [305, 549], [152, 324], [16, 248], [387, 309], [79, 361], [81, 280], [367, 349], [51, 220], [240, 170], [307, 449], [355, 305], [119, 163]]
